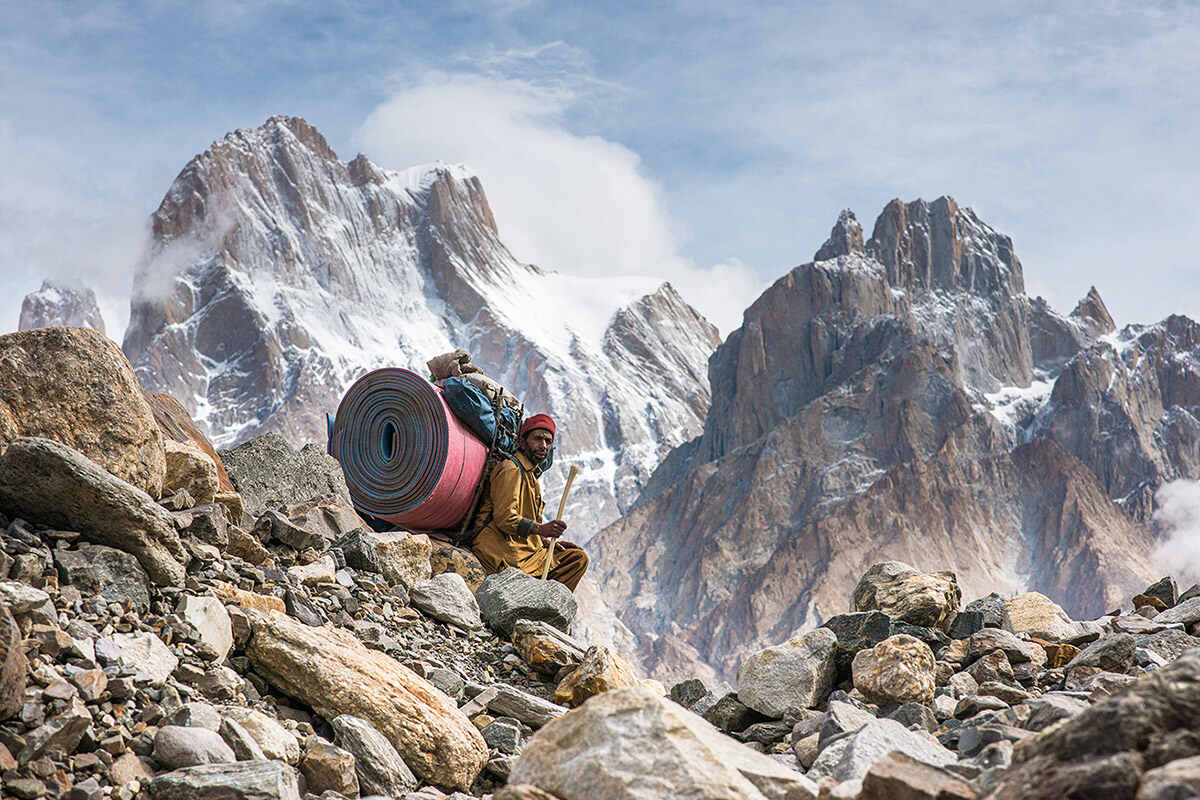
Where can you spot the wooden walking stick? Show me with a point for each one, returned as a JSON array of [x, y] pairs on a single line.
[[562, 506]]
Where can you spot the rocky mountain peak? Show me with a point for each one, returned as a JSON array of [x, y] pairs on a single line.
[[1094, 314], [57, 303], [845, 239], [941, 246]]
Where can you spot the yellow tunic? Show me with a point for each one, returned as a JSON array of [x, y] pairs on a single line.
[[513, 505]]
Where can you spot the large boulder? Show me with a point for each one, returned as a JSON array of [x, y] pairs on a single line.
[[1039, 617], [76, 387], [334, 673], [379, 767], [447, 597], [242, 780], [904, 593], [106, 572], [48, 482], [1104, 750], [900, 669], [12, 666], [510, 595], [268, 473], [176, 746], [850, 758], [634, 744], [796, 674]]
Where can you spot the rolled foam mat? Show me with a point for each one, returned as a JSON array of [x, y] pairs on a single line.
[[407, 458]]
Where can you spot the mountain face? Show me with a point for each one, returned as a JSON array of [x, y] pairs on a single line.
[[58, 304], [278, 275], [902, 398]]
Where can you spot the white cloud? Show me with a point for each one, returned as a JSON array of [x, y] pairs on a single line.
[[1177, 520], [577, 204]]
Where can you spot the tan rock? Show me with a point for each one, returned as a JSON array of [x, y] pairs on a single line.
[[1040, 617], [448, 558], [633, 744], [329, 768], [523, 791], [403, 557], [602, 670], [319, 571], [248, 600], [76, 387], [335, 674], [902, 592], [176, 424], [900, 669], [189, 469], [544, 647]]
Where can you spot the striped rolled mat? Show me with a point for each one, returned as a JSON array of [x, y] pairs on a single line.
[[407, 458]]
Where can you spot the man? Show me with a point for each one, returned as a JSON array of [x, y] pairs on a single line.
[[514, 534]]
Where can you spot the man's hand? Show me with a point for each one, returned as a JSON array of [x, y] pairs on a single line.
[[550, 530]]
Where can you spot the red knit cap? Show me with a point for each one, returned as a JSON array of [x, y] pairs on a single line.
[[537, 421]]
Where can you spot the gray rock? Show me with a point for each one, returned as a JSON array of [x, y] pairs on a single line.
[[1111, 654], [966, 624], [268, 474], [146, 655], [1017, 651], [21, 598], [634, 744], [303, 609], [380, 768], [114, 575], [970, 706], [991, 607], [1052, 707], [47, 482], [242, 780], [1170, 645], [447, 597], [797, 673], [1187, 612], [533, 711], [447, 680], [1178, 780], [973, 739], [274, 525], [850, 758], [915, 714], [208, 617], [842, 718], [176, 747], [510, 595], [359, 551], [275, 740], [240, 741], [59, 736], [207, 523], [688, 693], [729, 714], [503, 734], [1164, 589], [197, 715]]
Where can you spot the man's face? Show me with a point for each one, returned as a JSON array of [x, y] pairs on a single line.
[[538, 443]]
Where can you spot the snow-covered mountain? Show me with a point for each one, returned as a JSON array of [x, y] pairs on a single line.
[[56, 303], [902, 398], [278, 274]]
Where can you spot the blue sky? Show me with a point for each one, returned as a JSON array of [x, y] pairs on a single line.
[[712, 144]]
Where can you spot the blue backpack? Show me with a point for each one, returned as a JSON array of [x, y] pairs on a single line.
[[474, 410]]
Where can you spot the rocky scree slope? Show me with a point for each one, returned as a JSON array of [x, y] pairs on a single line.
[[278, 274], [901, 397], [263, 645]]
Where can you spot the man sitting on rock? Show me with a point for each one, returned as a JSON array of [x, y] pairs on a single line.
[[514, 534]]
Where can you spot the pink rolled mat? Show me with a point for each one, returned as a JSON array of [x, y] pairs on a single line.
[[407, 458]]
